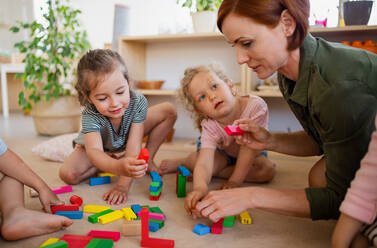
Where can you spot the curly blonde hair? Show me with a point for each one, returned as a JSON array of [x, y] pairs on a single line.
[[184, 94]]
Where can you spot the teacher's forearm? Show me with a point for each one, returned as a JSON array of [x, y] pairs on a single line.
[[296, 144]]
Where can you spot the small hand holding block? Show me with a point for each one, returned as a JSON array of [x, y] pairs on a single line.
[[233, 130], [144, 154]]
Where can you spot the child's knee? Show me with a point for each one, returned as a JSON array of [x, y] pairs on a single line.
[[170, 111], [69, 176]]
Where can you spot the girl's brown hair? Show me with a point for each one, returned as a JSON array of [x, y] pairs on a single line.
[[268, 12], [184, 94], [92, 67]]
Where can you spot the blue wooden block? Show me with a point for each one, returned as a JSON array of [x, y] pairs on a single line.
[[155, 176], [93, 181], [136, 208], [201, 229], [184, 171], [70, 214], [154, 189], [153, 226]]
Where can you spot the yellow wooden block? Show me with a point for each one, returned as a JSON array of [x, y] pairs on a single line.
[[105, 174], [94, 208], [110, 217], [245, 217], [49, 241], [129, 214]]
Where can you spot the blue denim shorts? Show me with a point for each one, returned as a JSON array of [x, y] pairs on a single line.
[[230, 159]]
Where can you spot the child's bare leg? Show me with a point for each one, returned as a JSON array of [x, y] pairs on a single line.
[[76, 167], [262, 170], [160, 120], [317, 177], [360, 241], [170, 165], [19, 222]]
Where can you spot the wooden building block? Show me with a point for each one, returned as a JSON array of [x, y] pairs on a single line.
[[100, 243], [229, 221], [136, 208], [95, 208], [201, 229], [183, 171], [58, 244], [232, 130], [156, 210], [217, 227], [181, 191], [245, 218], [49, 241], [76, 200], [144, 154], [70, 214], [63, 189], [131, 228], [76, 241], [56, 208], [110, 217], [94, 217], [94, 181], [129, 214], [104, 235], [105, 174]]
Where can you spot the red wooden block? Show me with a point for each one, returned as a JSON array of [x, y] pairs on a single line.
[[154, 198], [144, 154], [76, 200], [144, 224], [233, 130], [105, 235], [64, 208], [157, 243], [217, 227], [76, 241]]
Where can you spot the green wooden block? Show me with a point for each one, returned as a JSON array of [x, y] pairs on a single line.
[[156, 193], [155, 184], [181, 192], [159, 222], [229, 221], [94, 217], [59, 244], [138, 218], [145, 206], [156, 210], [100, 243]]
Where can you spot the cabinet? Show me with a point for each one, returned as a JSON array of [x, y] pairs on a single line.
[[165, 57]]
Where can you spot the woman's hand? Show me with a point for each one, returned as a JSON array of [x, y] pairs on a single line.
[[230, 185], [132, 167], [222, 203], [192, 199], [255, 136], [48, 199]]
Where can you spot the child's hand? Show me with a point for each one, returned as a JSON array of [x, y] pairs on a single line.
[[48, 198], [230, 185], [255, 137], [191, 200], [132, 167]]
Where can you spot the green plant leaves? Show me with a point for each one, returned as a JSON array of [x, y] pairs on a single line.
[[51, 51], [201, 5]]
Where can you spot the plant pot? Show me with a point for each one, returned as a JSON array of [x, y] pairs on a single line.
[[204, 21], [57, 116], [357, 12]]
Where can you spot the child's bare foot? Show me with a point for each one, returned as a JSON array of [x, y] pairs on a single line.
[[168, 166], [152, 166], [23, 223]]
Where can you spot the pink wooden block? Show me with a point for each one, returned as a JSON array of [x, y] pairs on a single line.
[[63, 189], [155, 216], [105, 235], [233, 130]]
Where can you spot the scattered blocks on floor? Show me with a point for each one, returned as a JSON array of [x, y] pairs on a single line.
[[110, 217], [56, 208], [229, 221], [233, 130], [156, 186], [49, 241], [136, 208], [181, 186], [156, 210], [104, 235], [63, 189], [94, 217], [131, 228], [58, 244], [201, 229], [94, 181], [245, 217], [76, 200], [95, 208], [159, 222], [153, 226], [217, 227], [184, 171], [70, 214], [105, 174], [129, 214]]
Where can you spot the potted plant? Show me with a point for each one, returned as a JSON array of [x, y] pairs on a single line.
[[356, 12], [55, 44], [203, 13]]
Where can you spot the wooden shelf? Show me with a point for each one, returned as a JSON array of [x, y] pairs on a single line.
[[363, 28], [157, 92], [173, 37]]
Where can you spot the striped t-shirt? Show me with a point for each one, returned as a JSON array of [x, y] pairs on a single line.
[[93, 121]]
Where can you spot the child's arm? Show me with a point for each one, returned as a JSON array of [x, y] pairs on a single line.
[[128, 166], [245, 159], [13, 166], [202, 175], [345, 231]]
